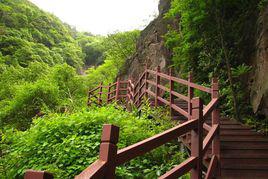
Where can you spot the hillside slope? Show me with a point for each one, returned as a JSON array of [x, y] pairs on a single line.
[[224, 39], [29, 34]]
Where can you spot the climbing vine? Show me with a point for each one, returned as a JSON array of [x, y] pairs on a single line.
[[215, 38]]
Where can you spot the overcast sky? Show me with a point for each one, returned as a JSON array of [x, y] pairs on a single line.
[[102, 16]]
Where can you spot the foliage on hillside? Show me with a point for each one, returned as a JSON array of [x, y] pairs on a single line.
[[66, 144], [216, 38], [29, 34], [41, 59], [118, 47]]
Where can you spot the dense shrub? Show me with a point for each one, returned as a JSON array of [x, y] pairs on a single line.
[[66, 144]]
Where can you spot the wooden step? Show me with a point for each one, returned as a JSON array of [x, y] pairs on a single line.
[[238, 132], [248, 138], [243, 174], [244, 145]]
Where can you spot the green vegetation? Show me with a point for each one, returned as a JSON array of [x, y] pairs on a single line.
[[216, 38], [118, 47], [46, 68], [41, 59], [66, 144]]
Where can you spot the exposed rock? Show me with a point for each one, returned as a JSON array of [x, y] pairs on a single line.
[[259, 82], [150, 47]]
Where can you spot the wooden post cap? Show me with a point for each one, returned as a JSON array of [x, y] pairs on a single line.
[[32, 174], [110, 133], [197, 103]]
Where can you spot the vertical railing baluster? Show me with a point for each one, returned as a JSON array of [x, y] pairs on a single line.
[[197, 138], [32, 174], [146, 78], [171, 89], [139, 92], [216, 121], [100, 94], [108, 93], [157, 81], [190, 95], [117, 90], [108, 149]]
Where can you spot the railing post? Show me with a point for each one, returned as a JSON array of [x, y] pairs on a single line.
[[139, 92], [131, 91], [108, 149], [171, 89], [197, 138], [117, 89], [108, 93], [100, 94], [32, 174], [190, 95], [216, 121], [157, 91], [146, 78], [88, 99]]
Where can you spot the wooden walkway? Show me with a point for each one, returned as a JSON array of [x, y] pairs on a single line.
[[218, 146], [244, 152]]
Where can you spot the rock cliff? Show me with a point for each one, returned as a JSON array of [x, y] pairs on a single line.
[[259, 77], [150, 46]]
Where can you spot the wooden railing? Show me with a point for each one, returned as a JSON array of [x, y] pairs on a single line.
[[154, 85]]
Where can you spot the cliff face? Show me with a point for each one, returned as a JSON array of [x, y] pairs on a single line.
[[150, 46], [259, 77], [150, 50]]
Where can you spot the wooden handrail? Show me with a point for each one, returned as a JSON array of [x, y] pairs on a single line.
[[209, 138], [210, 107], [94, 171], [213, 165], [180, 169], [151, 143], [134, 92]]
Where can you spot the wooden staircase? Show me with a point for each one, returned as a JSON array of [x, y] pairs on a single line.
[[244, 152], [218, 148]]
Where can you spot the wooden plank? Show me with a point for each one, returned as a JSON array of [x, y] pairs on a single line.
[[181, 81], [181, 169], [200, 87], [165, 76], [211, 172], [136, 84], [206, 127], [151, 72], [142, 94], [151, 143], [163, 88], [112, 92], [150, 92], [94, 171], [209, 138], [151, 82], [210, 107], [93, 90], [185, 98], [179, 110], [33, 174], [122, 89], [142, 85], [163, 100]]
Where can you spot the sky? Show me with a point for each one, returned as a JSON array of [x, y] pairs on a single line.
[[102, 16]]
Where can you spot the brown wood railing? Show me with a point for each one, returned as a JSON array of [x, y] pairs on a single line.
[[154, 85]]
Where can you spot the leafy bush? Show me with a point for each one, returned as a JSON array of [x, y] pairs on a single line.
[[39, 89], [66, 144]]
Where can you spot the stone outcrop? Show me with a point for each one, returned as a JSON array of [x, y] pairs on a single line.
[[259, 77], [150, 46]]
